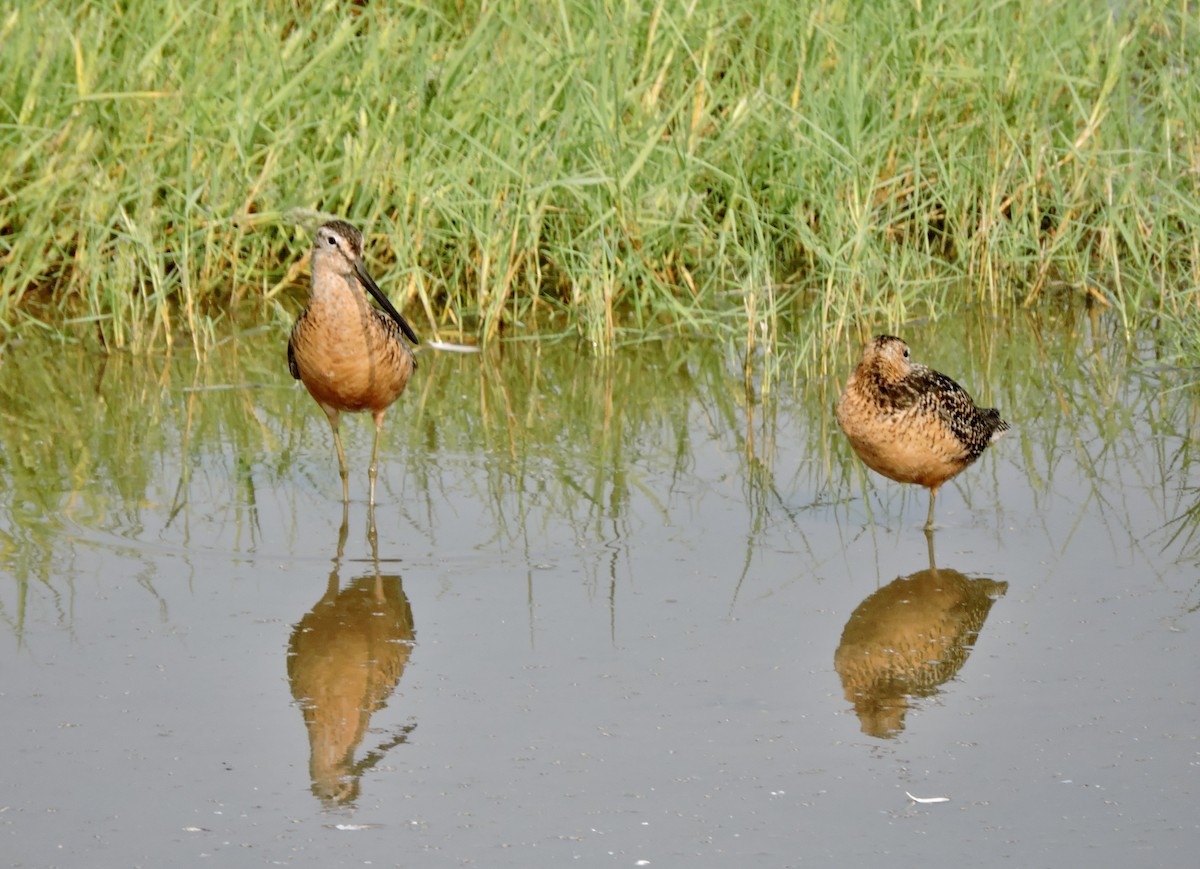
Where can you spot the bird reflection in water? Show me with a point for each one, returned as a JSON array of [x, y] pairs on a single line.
[[907, 639], [345, 659]]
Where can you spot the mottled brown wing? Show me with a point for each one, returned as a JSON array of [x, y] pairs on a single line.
[[395, 333], [971, 426], [901, 395], [292, 366]]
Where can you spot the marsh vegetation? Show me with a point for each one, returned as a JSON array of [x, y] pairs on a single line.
[[776, 175]]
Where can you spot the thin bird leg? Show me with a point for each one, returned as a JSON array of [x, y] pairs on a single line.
[[374, 468], [343, 533], [373, 539], [929, 521], [337, 442]]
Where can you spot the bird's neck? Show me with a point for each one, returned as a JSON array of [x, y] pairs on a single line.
[[334, 290]]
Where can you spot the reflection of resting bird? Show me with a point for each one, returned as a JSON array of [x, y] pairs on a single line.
[[910, 423], [907, 639], [344, 660]]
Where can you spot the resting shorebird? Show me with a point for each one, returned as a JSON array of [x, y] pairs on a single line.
[[911, 423], [350, 356]]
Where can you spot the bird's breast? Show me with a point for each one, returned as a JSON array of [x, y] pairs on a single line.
[[348, 360]]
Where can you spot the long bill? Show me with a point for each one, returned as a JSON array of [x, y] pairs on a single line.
[[367, 281]]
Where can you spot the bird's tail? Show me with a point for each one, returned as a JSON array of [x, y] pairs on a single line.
[[998, 425]]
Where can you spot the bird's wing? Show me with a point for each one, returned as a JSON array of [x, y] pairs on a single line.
[[292, 366], [395, 332], [971, 426]]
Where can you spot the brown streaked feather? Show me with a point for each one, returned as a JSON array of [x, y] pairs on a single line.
[[292, 366]]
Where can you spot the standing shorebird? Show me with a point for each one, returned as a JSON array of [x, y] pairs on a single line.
[[350, 356], [911, 423]]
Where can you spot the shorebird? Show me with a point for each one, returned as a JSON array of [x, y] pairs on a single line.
[[350, 355], [910, 423]]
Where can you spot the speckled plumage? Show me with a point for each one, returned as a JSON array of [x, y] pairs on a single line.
[[910, 423], [349, 355]]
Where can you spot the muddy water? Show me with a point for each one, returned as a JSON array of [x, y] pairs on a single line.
[[606, 613]]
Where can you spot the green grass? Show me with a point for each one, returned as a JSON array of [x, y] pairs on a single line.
[[777, 175]]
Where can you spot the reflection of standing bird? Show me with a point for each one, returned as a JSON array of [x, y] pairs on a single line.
[[907, 639], [345, 659], [350, 356], [911, 423]]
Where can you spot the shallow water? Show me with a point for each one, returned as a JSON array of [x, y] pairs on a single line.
[[613, 612]]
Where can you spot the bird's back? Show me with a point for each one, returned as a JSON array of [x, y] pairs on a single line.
[[952, 408]]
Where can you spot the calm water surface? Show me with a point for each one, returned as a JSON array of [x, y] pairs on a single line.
[[612, 613]]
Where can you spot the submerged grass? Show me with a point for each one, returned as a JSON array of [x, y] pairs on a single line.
[[774, 174], [537, 448]]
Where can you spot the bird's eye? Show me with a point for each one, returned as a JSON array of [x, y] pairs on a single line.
[[905, 352], [332, 241]]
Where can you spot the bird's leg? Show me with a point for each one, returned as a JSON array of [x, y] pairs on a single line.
[[929, 521], [374, 468], [341, 454], [373, 538], [343, 533], [334, 579]]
